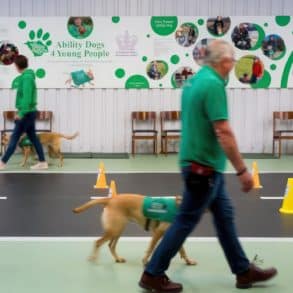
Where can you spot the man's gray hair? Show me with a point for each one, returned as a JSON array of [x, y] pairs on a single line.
[[217, 50]]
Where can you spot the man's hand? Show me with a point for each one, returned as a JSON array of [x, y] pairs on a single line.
[[246, 181]]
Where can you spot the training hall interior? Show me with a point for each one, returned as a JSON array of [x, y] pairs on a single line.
[[107, 80]]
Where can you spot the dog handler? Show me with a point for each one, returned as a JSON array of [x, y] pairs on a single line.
[[206, 140], [26, 103]]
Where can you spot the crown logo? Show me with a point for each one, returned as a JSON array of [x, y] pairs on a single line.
[[126, 42]]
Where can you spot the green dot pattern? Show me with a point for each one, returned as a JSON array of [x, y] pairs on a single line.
[[200, 21], [115, 19], [175, 59], [120, 72], [22, 24], [40, 73], [283, 20]]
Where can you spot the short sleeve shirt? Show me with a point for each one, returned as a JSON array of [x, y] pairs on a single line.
[[203, 102]]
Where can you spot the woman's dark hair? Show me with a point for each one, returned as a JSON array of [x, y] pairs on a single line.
[[21, 62]]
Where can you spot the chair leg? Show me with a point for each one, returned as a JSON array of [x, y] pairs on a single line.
[[162, 151], [166, 145], [273, 147], [280, 148], [132, 146], [155, 145]]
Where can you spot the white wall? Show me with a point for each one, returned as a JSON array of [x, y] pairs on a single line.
[[102, 116]]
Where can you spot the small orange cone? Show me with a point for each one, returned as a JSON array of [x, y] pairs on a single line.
[[255, 176], [113, 190], [287, 205], [101, 179]]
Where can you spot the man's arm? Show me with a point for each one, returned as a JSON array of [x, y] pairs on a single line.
[[228, 142]]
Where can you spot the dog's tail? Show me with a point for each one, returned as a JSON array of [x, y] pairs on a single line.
[[69, 136], [98, 201]]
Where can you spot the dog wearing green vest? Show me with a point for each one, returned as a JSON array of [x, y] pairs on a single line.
[[50, 140], [151, 213]]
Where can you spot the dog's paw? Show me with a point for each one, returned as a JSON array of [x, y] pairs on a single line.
[[190, 262], [120, 260], [92, 258]]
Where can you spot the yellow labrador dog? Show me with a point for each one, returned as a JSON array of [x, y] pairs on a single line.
[[51, 140], [118, 211]]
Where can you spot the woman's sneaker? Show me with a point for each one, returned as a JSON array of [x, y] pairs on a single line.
[[40, 166], [2, 165]]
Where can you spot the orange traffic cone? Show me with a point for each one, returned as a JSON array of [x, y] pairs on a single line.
[[101, 179], [287, 205], [113, 190], [255, 176]]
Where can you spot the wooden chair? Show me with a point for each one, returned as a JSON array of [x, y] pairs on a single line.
[[169, 133], [45, 116], [42, 116], [280, 134], [147, 132]]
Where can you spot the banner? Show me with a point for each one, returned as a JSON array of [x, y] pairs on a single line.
[[144, 52]]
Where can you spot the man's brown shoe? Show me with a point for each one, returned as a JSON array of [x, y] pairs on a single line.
[[254, 275], [159, 284]]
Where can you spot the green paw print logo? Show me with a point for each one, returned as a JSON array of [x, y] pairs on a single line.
[[39, 42]]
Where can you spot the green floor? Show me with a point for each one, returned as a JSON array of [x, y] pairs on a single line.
[[148, 163], [46, 267]]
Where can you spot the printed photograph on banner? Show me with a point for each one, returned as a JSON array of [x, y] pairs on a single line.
[[273, 47], [157, 69], [186, 35], [245, 36], [249, 69], [8, 52], [80, 27], [180, 76], [200, 50], [219, 25], [80, 78]]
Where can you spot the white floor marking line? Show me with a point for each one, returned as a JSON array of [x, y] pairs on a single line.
[[128, 172], [139, 239], [272, 197], [3, 197]]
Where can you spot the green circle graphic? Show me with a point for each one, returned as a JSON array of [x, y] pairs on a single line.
[[282, 20], [115, 19], [40, 73], [266, 24], [273, 67], [164, 25], [120, 73], [261, 36], [144, 58], [200, 21], [264, 82], [175, 59], [22, 24], [137, 82]]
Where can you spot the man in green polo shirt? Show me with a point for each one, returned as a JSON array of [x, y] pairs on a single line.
[[206, 141]]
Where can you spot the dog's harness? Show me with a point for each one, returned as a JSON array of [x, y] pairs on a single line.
[[159, 209], [25, 142]]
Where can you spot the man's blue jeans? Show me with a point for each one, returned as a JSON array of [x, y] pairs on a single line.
[[201, 193], [24, 125]]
